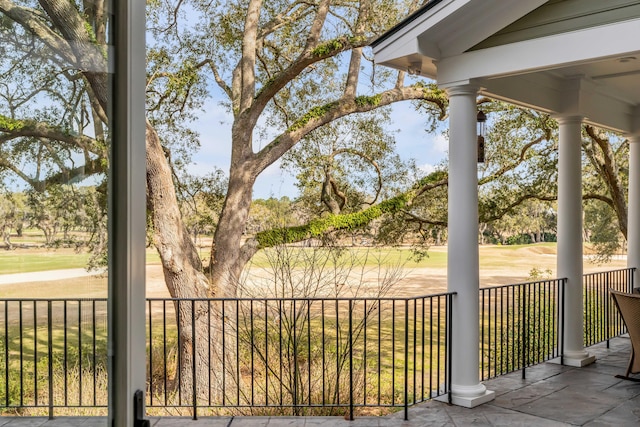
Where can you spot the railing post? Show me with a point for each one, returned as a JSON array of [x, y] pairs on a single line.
[[295, 359], [606, 307], [449, 334], [350, 360], [50, 357], [223, 355], [525, 335], [194, 384], [406, 359], [561, 312]]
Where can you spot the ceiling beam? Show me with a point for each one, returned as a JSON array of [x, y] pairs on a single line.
[[545, 53], [554, 95]]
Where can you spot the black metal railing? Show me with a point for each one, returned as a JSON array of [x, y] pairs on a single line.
[[519, 326], [53, 353], [602, 321], [297, 355], [265, 355], [287, 355]]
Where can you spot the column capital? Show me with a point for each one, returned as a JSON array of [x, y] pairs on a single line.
[[633, 138], [462, 89], [568, 118]]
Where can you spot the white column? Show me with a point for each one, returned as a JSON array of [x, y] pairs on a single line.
[[127, 216], [633, 209], [463, 274], [570, 238]]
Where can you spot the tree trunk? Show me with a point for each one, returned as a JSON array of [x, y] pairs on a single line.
[[610, 174], [182, 270], [482, 228], [228, 255]]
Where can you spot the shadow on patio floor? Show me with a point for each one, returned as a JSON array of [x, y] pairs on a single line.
[[551, 395]]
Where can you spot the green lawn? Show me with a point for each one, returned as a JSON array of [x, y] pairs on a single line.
[[77, 287], [386, 256], [30, 260], [539, 255]]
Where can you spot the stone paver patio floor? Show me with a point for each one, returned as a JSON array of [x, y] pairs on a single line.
[[551, 395]]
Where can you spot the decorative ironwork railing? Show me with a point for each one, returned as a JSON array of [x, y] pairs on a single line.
[[287, 355], [300, 355], [602, 321], [519, 326]]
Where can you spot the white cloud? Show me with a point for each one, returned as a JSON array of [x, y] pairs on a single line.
[[275, 182], [427, 168], [214, 127], [439, 144]]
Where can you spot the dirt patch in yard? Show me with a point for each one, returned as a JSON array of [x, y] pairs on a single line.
[[499, 265]]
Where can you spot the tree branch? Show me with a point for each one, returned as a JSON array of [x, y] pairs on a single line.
[[27, 128], [593, 196], [353, 73], [33, 21], [90, 58], [316, 26], [500, 212], [248, 61], [321, 226], [610, 174], [513, 165], [324, 114], [216, 75], [420, 220], [285, 17], [370, 161], [319, 53]]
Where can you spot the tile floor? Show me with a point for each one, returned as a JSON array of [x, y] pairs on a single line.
[[551, 395]]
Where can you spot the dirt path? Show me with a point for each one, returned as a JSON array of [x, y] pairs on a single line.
[[44, 276], [498, 267]]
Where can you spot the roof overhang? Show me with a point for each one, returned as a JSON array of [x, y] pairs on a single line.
[[593, 72], [445, 28]]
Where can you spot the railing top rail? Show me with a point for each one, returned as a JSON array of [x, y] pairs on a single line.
[[214, 299], [53, 300], [609, 271], [307, 298], [535, 282]]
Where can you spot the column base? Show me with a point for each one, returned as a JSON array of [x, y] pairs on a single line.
[[468, 396], [577, 360], [467, 401]]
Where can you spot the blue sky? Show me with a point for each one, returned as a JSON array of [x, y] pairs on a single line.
[[214, 126]]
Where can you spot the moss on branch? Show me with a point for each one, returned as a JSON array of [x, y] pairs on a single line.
[[314, 113], [322, 226], [330, 47], [368, 101], [8, 124], [340, 44]]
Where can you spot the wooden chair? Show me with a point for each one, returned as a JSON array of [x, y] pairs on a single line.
[[629, 307]]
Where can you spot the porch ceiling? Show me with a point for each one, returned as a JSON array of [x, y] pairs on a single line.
[[605, 91], [591, 71]]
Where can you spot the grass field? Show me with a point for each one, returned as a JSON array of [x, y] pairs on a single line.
[[30, 260], [498, 265]]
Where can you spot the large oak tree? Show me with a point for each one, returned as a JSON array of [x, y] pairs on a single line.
[[285, 68], [289, 66]]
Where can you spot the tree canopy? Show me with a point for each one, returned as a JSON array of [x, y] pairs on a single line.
[[300, 84]]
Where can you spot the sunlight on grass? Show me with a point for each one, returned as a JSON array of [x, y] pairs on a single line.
[[30, 260], [78, 287], [383, 256]]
